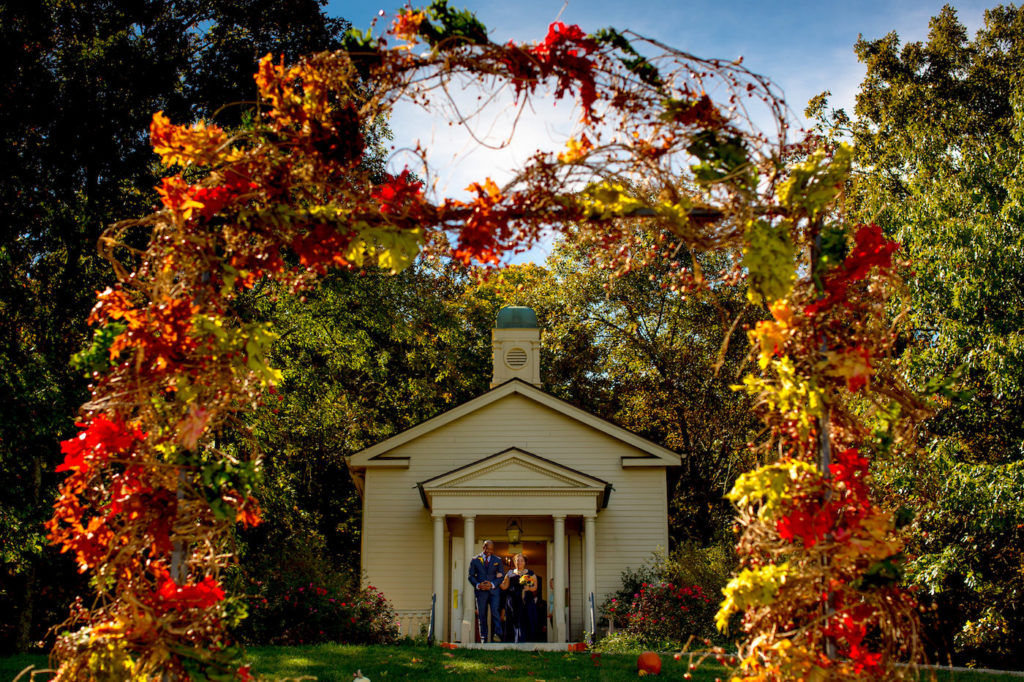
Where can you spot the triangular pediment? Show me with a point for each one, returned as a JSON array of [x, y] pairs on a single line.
[[514, 472], [513, 469], [511, 477]]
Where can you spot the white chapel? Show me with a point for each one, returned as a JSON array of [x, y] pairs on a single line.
[[580, 497]]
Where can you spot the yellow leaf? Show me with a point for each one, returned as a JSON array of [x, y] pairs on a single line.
[[576, 150]]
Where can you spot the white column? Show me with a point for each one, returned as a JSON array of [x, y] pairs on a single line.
[[559, 596], [589, 569], [469, 602], [440, 603]]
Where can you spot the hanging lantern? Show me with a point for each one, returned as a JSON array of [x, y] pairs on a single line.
[[514, 531]]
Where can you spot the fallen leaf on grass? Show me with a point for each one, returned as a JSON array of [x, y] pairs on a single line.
[[416, 660], [449, 655], [500, 667]]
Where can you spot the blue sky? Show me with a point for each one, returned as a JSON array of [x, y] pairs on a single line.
[[805, 47]]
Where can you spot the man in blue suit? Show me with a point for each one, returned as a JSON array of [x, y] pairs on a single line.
[[485, 574]]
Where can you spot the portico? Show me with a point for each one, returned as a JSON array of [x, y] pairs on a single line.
[[510, 483]]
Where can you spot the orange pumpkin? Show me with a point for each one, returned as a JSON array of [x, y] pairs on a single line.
[[649, 663]]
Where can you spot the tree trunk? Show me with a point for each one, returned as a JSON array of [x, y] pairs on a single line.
[[23, 633]]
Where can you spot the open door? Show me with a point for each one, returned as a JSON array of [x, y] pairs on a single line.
[[458, 584]]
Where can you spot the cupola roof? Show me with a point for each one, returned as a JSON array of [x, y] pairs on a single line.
[[516, 317]]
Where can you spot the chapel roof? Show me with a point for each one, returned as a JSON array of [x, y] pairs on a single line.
[[653, 454]]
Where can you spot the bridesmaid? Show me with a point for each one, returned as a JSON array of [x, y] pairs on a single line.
[[520, 588]]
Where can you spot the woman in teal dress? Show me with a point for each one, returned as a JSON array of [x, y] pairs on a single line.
[[520, 590]]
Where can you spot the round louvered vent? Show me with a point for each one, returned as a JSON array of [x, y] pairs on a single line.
[[515, 358]]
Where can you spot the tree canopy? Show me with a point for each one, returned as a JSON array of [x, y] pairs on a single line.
[[362, 357], [639, 352], [938, 129]]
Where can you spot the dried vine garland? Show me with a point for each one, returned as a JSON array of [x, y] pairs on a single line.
[[150, 500]]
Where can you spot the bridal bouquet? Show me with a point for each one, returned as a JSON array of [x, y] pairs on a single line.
[[528, 581]]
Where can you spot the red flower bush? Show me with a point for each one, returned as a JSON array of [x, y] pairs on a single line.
[[312, 614], [664, 611]]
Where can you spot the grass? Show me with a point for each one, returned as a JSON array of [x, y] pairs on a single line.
[[336, 663]]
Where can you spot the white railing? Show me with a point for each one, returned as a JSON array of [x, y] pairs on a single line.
[[413, 622]]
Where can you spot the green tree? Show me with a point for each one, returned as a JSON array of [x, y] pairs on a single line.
[[78, 85], [939, 128]]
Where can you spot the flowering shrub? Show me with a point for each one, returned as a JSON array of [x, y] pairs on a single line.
[[616, 607], [664, 611], [704, 570], [313, 614]]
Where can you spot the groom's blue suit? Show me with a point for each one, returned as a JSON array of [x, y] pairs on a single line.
[[487, 568]]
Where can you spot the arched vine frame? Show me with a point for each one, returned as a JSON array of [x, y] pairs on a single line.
[[664, 144]]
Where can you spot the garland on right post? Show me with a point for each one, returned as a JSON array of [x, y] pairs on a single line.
[[819, 585]]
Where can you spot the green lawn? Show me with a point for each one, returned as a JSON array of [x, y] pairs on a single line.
[[331, 663], [336, 663]]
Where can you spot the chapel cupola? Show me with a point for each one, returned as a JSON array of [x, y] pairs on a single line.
[[516, 344]]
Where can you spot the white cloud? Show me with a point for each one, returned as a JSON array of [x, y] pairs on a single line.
[[453, 149], [510, 133]]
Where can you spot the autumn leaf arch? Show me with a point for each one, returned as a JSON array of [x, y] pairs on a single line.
[[150, 500]]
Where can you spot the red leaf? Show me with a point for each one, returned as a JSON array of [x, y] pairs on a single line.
[[100, 439]]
